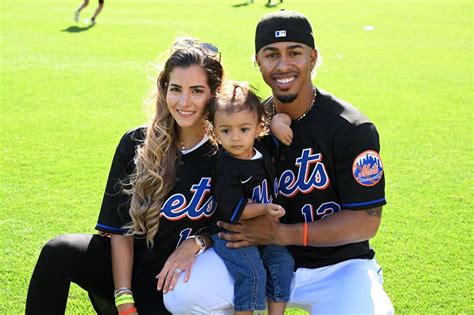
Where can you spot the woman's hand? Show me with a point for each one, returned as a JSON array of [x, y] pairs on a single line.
[[180, 261]]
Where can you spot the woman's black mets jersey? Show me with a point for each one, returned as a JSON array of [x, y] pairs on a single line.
[[238, 180], [333, 163], [187, 209]]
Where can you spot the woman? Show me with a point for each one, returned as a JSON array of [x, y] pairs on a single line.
[[157, 202]]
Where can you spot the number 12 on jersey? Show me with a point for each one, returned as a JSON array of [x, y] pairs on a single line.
[[324, 210]]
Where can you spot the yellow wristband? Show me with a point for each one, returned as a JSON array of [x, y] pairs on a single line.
[[124, 299]]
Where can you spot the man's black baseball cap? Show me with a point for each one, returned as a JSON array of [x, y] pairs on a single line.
[[283, 26]]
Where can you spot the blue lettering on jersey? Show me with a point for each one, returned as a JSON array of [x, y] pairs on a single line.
[[276, 187], [327, 208], [176, 206], [261, 194], [184, 235], [323, 210], [306, 180], [308, 213]]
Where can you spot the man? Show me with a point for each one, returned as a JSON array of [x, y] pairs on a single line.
[[331, 184], [84, 4]]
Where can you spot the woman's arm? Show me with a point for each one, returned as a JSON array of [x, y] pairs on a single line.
[[122, 264], [180, 261]]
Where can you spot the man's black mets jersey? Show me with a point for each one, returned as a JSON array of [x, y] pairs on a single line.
[[333, 163], [238, 180], [187, 208]]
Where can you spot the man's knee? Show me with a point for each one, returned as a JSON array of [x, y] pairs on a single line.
[[196, 297], [184, 297]]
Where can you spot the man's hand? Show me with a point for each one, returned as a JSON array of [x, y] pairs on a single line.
[[262, 230], [341, 228]]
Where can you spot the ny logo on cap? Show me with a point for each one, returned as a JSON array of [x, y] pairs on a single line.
[[280, 34]]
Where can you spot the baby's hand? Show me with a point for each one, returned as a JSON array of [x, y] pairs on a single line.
[[284, 134], [274, 210], [280, 127]]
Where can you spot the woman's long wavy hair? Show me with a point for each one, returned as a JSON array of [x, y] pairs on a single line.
[[156, 157]]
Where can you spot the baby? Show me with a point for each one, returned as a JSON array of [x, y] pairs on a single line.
[[244, 187]]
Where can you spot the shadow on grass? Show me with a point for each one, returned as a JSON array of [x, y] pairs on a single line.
[[269, 4], [77, 29], [243, 4]]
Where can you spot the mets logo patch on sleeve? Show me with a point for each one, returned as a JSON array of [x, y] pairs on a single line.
[[367, 168]]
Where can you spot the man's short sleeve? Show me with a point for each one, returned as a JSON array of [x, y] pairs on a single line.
[[359, 170]]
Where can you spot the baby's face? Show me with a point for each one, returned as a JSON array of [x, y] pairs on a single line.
[[236, 132]]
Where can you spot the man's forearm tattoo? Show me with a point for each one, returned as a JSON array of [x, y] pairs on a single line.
[[374, 212]]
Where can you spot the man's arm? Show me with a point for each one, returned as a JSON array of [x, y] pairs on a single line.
[[340, 228]]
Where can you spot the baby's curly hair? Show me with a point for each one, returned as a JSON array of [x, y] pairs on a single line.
[[234, 97]]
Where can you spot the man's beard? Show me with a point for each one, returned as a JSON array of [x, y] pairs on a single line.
[[286, 98]]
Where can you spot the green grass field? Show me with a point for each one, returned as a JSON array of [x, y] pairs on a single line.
[[68, 93]]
